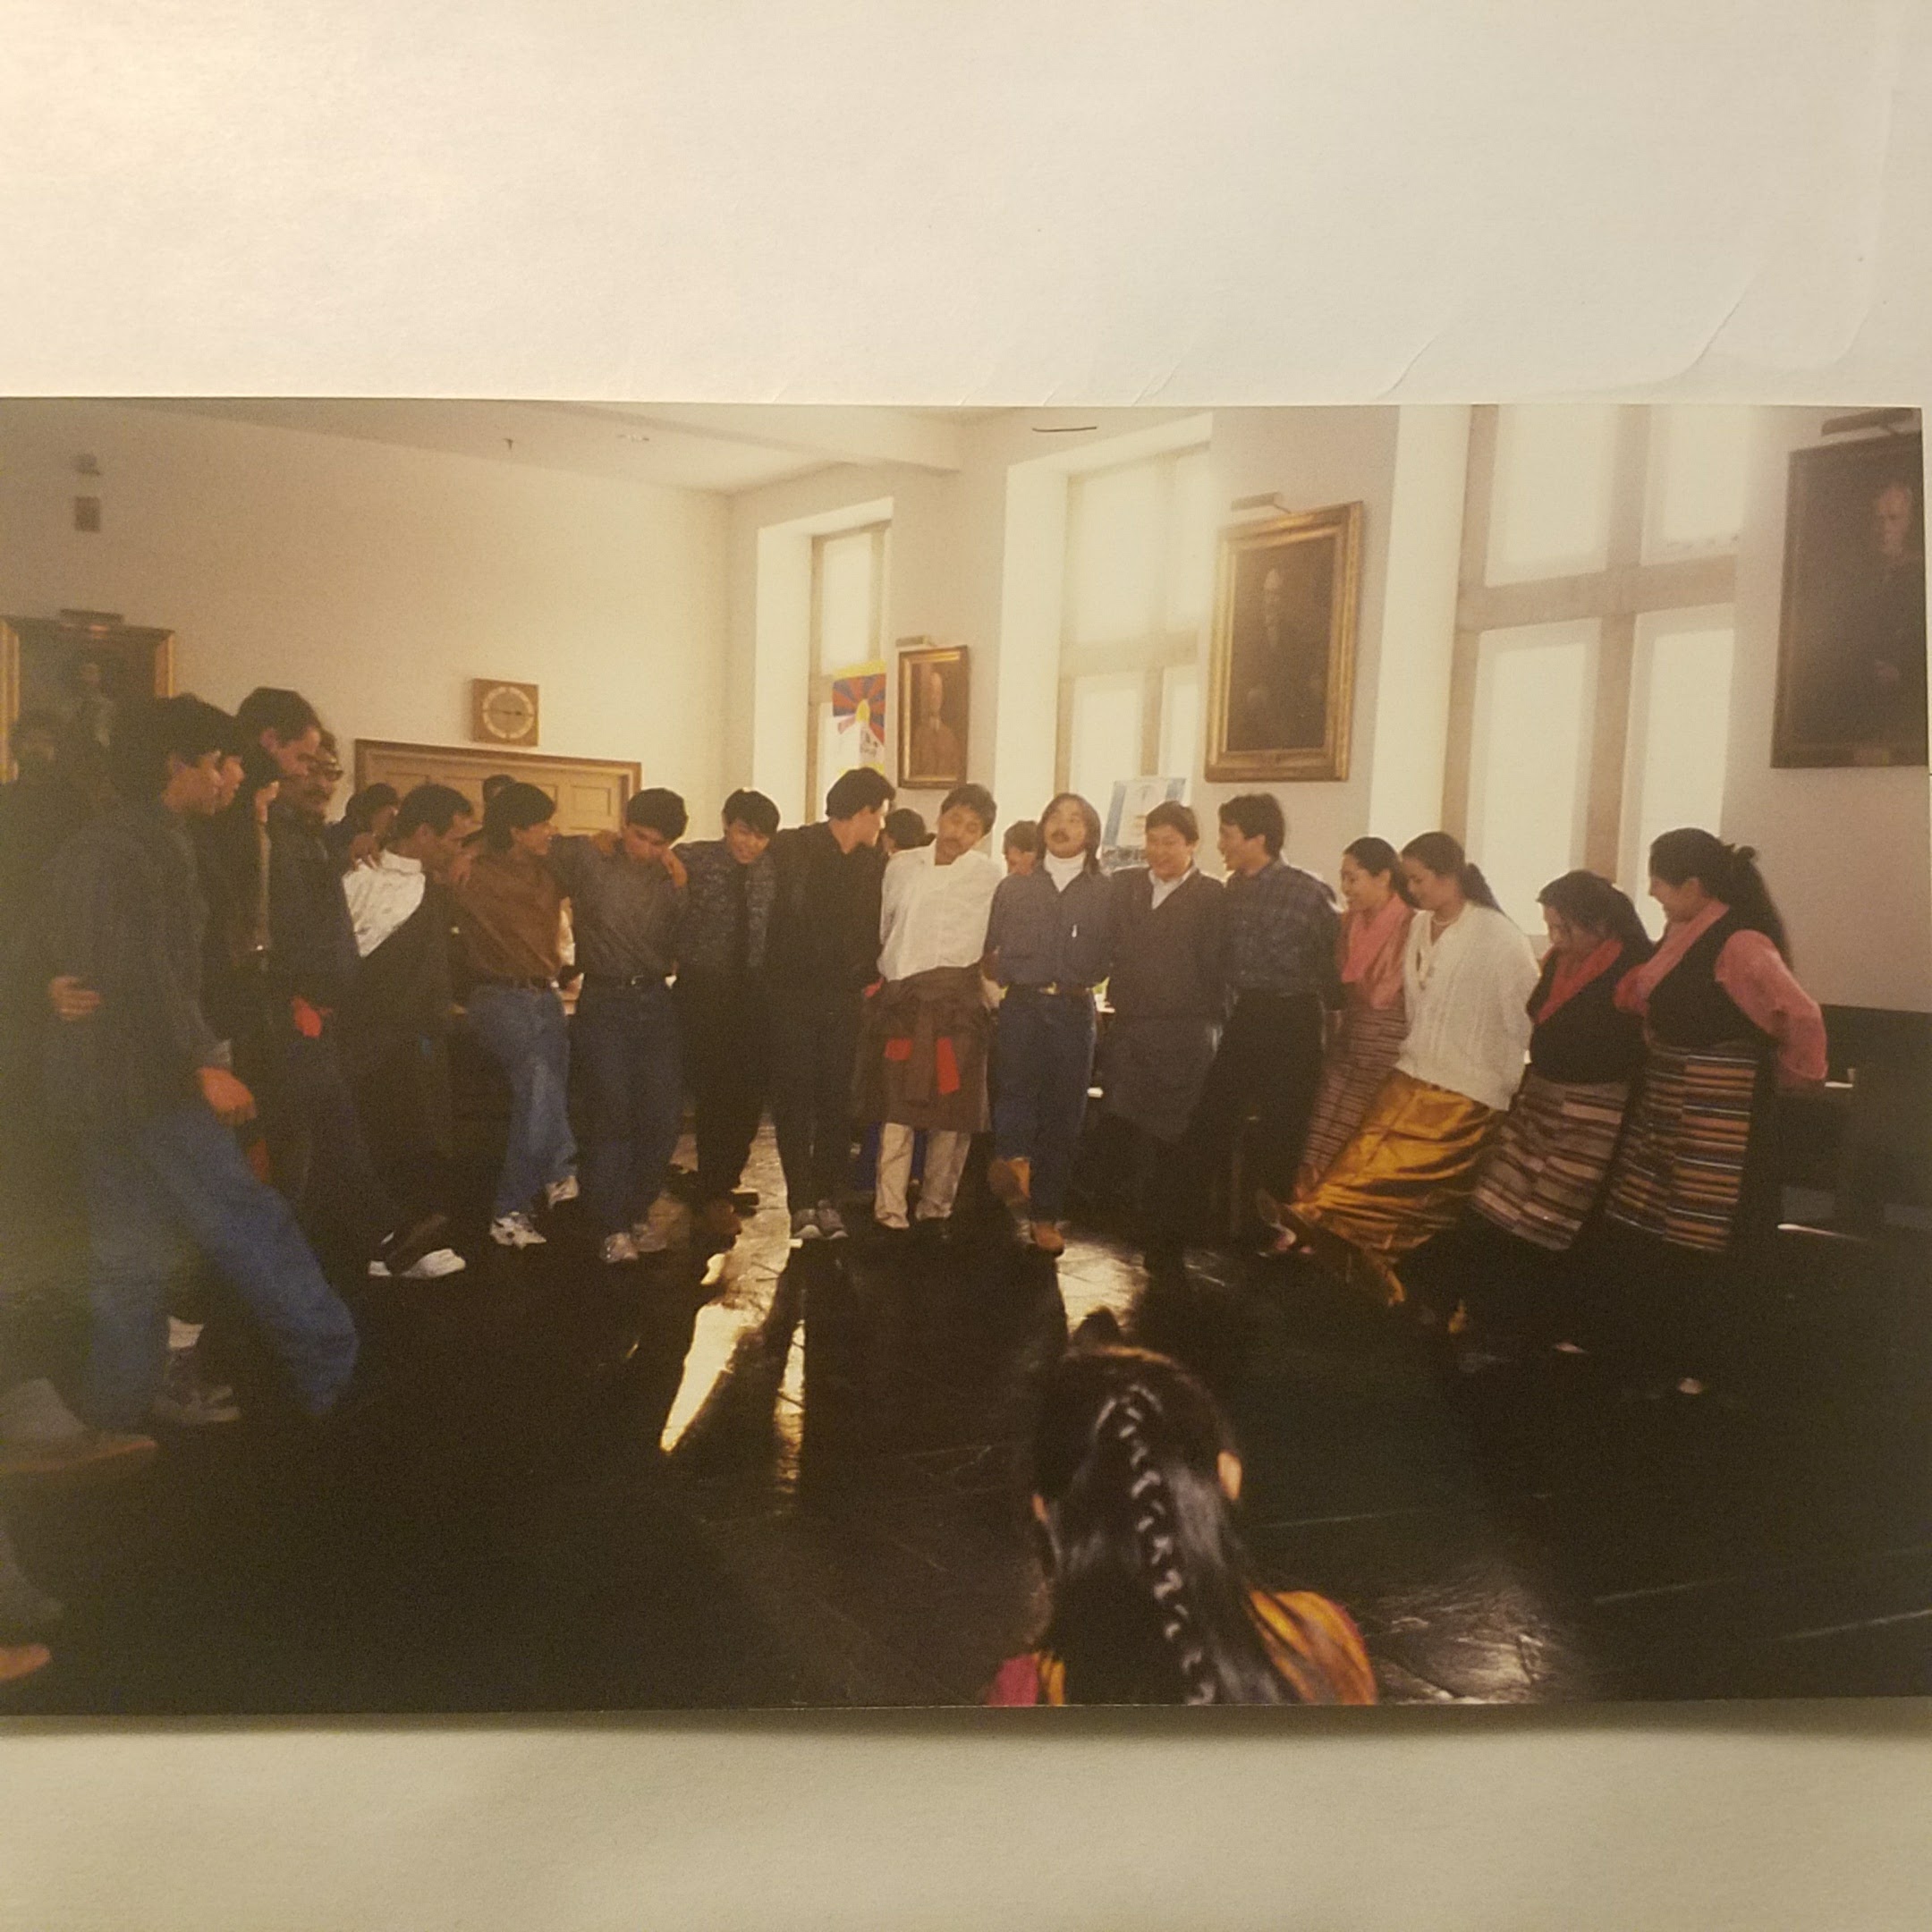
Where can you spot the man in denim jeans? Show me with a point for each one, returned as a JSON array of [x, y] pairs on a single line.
[[509, 910], [627, 894], [142, 1078]]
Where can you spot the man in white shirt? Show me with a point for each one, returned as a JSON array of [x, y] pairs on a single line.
[[923, 1059], [398, 1014]]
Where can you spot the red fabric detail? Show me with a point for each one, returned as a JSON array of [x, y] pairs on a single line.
[[947, 1063], [1573, 975], [899, 1049], [308, 1018]]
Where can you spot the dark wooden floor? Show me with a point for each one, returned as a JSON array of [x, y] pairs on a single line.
[[579, 1488]]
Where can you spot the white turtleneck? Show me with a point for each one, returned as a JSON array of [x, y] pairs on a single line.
[[1062, 872]]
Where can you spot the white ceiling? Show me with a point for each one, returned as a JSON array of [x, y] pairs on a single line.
[[705, 446]]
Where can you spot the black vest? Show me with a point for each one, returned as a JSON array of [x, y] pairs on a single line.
[[1588, 1038], [1689, 1010]]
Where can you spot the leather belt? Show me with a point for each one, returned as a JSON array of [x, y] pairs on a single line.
[[620, 982]]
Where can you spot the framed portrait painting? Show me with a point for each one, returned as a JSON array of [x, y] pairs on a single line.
[[1851, 640], [67, 677], [1283, 657], [933, 715]]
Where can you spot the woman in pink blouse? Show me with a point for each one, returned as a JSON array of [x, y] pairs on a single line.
[[1374, 1022], [1726, 1027]]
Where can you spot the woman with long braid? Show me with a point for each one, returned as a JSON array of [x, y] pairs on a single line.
[[1136, 1480]]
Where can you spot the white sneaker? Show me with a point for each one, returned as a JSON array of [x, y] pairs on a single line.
[[805, 1226], [515, 1231], [437, 1263], [617, 1248], [559, 1192], [831, 1222]]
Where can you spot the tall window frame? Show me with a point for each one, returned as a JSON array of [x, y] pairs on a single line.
[[1618, 597], [1164, 648], [819, 684]]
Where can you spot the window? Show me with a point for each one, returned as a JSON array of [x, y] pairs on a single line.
[[1139, 570], [1591, 689], [848, 628]]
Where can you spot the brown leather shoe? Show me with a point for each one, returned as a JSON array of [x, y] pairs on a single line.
[[1048, 1239]]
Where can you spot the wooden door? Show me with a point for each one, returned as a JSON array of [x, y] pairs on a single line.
[[591, 794]]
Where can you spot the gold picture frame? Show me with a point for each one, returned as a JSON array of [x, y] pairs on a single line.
[[43, 665], [1851, 631], [935, 714], [1281, 677]]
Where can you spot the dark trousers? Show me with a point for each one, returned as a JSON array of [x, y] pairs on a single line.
[[400, 1081], [1045, 1066], [814, 1042], [321, 1154], [628, 1054], [727, 1064], [1269, 1062]]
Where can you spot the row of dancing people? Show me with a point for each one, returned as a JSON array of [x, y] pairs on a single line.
[[1578, 1152]]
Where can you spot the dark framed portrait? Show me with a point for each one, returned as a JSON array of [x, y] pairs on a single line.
[[1283, 659], [64, 679], [933, 715], [1851, 640]]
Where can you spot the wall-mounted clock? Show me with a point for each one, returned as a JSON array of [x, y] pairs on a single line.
[[502, 713]]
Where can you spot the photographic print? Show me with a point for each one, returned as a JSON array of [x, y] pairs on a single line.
[[1284, 646], [1852, 663], [934, 715], [576, 1231]]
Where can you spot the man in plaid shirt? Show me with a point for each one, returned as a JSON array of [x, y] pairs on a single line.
[[1281, 926]]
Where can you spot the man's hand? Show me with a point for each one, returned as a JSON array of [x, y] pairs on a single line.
[[675, 866], [364, 849], [71, 998], [607, 841], [232, 1101], [459, 865]]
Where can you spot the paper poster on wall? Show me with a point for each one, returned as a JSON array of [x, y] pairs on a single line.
[[859, 715], [1124, 839]]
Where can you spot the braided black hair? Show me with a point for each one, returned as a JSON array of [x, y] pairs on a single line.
[[1150, 1581]]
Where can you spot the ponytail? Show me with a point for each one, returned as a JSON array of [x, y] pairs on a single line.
[[1127, 1419], [1727, 872], [1476, 887], [1444, 856], [1150, 1583]]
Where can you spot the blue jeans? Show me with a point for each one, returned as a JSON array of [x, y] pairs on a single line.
[[524, 1031], [627, 1040], [1046, 1044], [177, 1182]]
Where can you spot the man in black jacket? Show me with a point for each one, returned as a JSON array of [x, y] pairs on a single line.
[[321, 1154], [400, 1006], [822, 954], [145, 1081], [721, 945]]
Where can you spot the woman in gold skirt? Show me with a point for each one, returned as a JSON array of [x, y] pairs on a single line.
[[1408, 1170]]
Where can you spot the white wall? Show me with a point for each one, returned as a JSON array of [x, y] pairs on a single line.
[[379, 580], [1847, 854]]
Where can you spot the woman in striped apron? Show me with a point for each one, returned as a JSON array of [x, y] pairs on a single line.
[[1544, 1175], [1726, 1026]]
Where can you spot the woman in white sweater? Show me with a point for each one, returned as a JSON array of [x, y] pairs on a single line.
[[1467, 973]]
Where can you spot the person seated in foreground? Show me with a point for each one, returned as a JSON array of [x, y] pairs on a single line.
[[1136, 1480]]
